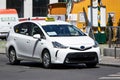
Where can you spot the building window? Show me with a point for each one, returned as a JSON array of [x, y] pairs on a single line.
[[62, 0], [40, 7], [16, 4]]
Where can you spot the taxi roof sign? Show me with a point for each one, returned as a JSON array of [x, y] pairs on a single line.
[[50, 19]]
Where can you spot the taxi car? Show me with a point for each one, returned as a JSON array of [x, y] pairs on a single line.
[[51, 42]]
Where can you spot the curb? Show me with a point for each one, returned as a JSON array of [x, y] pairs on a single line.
[[112, 65], [2, 53]]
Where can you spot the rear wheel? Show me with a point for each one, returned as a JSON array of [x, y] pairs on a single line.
[[46, 59], [12, 57]]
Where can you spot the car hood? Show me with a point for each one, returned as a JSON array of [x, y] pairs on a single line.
[[74, 41]]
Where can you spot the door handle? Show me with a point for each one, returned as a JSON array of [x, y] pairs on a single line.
[[28, 41], [15, 39]]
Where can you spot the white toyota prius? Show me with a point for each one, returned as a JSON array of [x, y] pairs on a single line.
[[51, 42]]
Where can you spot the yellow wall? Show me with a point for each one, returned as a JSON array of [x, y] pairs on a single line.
[[111, 6], [78, 7], [57, 9]]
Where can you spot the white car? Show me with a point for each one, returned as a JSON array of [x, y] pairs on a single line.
[[51, 42]]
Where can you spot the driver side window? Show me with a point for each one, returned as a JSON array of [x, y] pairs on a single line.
[[35, 29]]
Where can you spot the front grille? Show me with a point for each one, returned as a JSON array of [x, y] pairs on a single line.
[[80, 49], [81, 57]]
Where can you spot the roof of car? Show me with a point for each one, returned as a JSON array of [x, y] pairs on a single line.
[[43, 21], [52, 22]]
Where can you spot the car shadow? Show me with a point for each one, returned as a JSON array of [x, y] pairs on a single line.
[[55, 66]]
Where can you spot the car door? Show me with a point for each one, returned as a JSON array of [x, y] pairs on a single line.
[[35, 45], [27, 45], [21, 39]]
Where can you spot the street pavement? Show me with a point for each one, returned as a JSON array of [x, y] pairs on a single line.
[[105, 60]]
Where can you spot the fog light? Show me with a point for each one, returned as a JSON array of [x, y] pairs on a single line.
[[67, 60]]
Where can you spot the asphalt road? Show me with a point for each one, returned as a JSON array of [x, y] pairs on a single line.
[[35, 71]]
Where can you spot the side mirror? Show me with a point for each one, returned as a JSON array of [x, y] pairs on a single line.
[[37, 36]]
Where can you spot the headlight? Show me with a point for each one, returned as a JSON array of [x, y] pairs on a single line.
[[95, 44], [58, 45]]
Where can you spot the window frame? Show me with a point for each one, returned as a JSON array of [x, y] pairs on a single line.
[[30, 27]]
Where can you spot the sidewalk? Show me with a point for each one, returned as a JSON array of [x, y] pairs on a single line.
[[2, 51], [110, 61]]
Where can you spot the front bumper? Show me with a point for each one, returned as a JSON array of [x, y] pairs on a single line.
[[70, 56]]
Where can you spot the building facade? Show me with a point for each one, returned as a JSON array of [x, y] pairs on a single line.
[[28, 8], [108, 7], [33, 8]]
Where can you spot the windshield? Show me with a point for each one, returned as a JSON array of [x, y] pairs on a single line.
[[62, 30]]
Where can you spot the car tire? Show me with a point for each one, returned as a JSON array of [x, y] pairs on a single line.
[[12, 57], [46, 59], [91, 65]]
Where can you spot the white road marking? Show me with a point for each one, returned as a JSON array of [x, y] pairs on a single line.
[[112, 77], [108, 78]]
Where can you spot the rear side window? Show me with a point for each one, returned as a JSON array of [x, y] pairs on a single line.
[[22, 29], [16, 29], [29, 29]]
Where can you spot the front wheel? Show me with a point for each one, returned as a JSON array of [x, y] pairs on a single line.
[[46, 59], [12, 57]]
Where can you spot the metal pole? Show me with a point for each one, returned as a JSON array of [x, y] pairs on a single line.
[[109, 30], [99, 16], [91, 13]]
